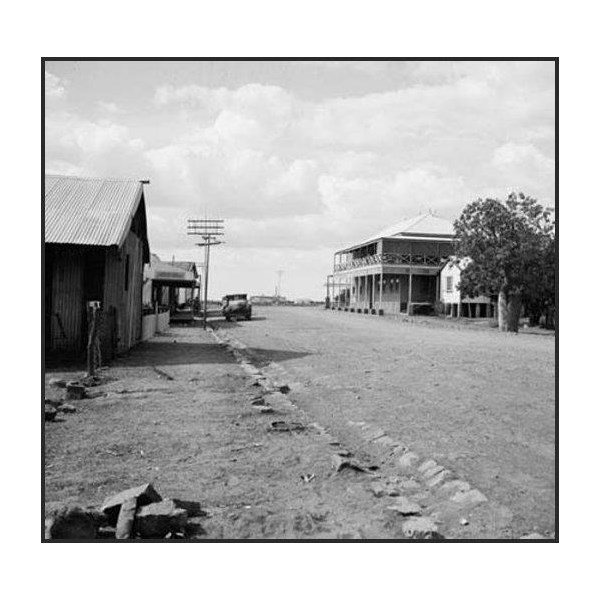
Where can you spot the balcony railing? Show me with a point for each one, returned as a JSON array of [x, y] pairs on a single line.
[[388, 258]]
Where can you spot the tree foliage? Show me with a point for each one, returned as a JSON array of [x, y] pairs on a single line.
[[511, 249]]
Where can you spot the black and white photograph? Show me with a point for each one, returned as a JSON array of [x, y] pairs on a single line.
[[300, 299]]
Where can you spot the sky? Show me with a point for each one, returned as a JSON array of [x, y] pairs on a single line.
[[300, 158]]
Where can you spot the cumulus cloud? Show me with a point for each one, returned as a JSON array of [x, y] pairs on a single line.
[[522, 156], [53, 86], [110, 108], [67, 131], [303, 174]]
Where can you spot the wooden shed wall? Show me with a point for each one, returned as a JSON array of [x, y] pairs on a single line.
[[67, 299], [121, 305]]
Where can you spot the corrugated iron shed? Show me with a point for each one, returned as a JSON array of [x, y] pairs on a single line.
[[87, 211]]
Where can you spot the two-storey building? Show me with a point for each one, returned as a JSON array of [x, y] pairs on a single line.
[[396, 270]]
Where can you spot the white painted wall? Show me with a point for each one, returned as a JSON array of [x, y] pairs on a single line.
[[453, 296]]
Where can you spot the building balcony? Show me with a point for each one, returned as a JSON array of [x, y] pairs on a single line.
[[388, 258]]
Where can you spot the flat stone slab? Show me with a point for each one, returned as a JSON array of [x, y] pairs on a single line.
[[469, 498], [420, 528], [438, 478], [433, 471], [407, 461], [343, 462], [158, 519], [144, 494], [405, 507], [408, 485], [452, 487], [126, 519], [427, 465]]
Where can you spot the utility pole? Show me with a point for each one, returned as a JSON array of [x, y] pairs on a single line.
[[208, 230], [278, 291]]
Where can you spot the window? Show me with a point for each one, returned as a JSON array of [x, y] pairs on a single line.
[[127, 272], [449, 285]]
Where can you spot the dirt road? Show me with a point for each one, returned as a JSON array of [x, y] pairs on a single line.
[[479, 402], [460, 423]]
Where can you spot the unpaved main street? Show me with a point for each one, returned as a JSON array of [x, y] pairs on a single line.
[[459, 423], [478, 402]]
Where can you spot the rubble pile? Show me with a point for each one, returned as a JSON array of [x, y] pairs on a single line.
[[73, 390], [136, 513]]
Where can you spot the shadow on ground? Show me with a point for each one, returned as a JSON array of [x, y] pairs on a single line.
[[169, 352]]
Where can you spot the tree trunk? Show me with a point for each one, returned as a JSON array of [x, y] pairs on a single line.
[[502, 311], [534, 318], [509, 311], [514, 312]]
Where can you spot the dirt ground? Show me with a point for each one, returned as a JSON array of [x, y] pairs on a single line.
[[478, 402], [198, 437]]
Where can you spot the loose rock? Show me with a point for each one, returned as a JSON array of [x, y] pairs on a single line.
[[126, 519], [49, 413], [72, 523], [452, 487], [283, 426], [158, 519], [341, 462], [432, 472], [75, 390], [145, 494], [193, 508], [409, 484], [469, 498], [427, 465], [61, 383], [66, 408], [407, 461], [420, 528], [405, 507], [533, 536], [438, 478]]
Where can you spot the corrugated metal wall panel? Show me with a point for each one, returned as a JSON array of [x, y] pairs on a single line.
[[67, 301], [126, 304]]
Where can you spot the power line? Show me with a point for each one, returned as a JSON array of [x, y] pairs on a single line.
[[208, 230]]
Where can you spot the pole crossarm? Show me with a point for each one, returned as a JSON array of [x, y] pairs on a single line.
[[208, 230]]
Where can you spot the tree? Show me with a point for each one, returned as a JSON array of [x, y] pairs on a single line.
[[511, 250]]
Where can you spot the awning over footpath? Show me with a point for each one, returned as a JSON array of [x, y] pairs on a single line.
[[169, 275]]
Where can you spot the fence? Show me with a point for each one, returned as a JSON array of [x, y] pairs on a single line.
[[154, 323]]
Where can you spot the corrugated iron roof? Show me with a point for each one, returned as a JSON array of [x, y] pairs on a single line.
[[87, 211], [186, 265], [421, 227]]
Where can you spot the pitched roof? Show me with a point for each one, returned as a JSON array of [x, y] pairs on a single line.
[[88, 211], [419, 227], [186, 265]]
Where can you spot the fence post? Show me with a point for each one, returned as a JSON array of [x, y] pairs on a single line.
[[92, 342]]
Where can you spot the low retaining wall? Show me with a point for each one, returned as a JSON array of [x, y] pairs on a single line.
[[162, 321], [152, 324]]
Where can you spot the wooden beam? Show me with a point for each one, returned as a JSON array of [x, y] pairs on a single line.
[[409, 292]]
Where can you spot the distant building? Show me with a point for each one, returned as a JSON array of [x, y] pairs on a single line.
[[170, 284], [396, 270], [96, 245], [268, 300], [456, 304]]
